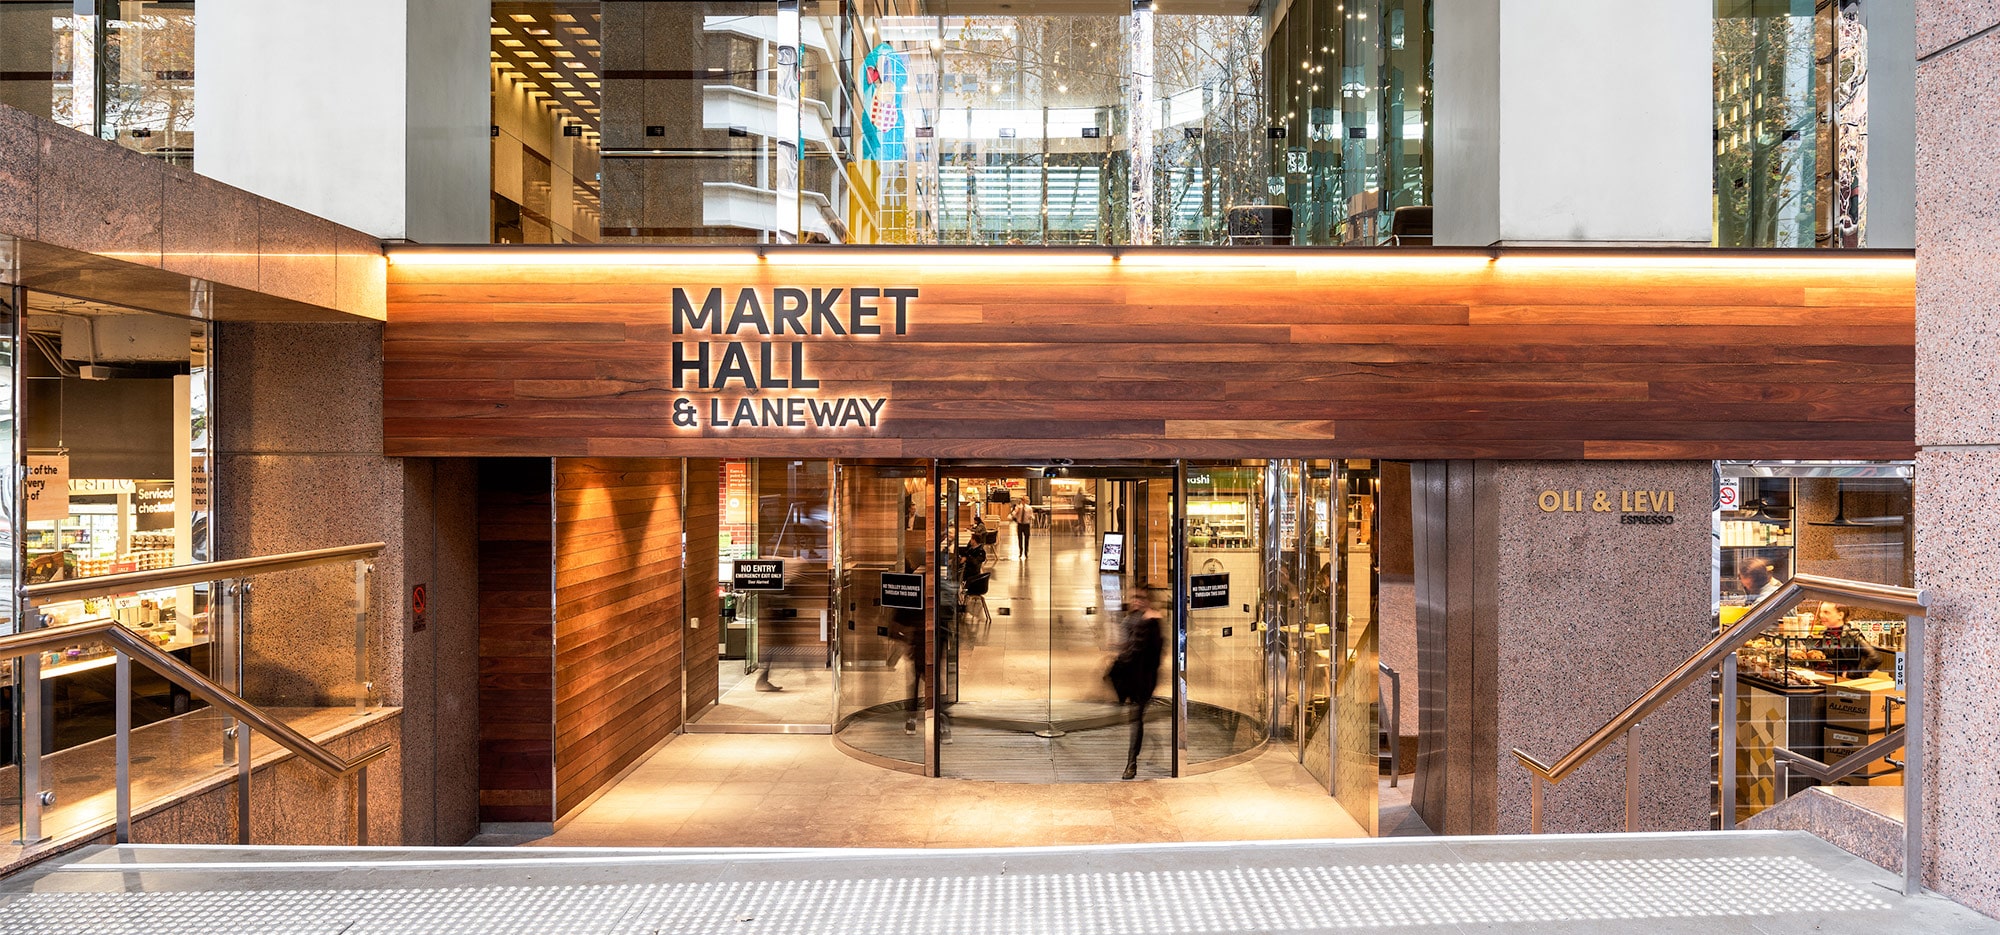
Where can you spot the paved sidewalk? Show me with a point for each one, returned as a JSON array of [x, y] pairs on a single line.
[[1765, 883]]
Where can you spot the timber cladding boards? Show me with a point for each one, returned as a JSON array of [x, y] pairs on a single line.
[[1018, 353], [516, 636], [618, 617]]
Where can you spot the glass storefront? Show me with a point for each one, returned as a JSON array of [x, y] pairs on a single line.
[[1824, 682], [1042, 622]]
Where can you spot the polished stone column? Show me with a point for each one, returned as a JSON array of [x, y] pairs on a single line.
[[1958, 438]]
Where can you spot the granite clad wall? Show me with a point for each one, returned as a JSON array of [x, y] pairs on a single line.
[[299, 465], [1592, 612], [1535, 627], [1958, 437]]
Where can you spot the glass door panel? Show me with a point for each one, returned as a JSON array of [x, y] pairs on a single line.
[[773, 656], [1356, 685], [883, 529], [1325, 526], [998, 647], [1227, 680], [1038, 622]]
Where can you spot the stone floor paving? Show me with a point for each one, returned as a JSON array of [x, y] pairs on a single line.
[[734, 790]]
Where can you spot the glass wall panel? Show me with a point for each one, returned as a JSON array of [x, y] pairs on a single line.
[[751, 121], [1791, 123], [122, 70], [772, 650], [1228, 698], [1822, 682], [883, 521], [1355, 636]]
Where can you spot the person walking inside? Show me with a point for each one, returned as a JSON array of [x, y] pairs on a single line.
[[1135, 671], [1024, 519]]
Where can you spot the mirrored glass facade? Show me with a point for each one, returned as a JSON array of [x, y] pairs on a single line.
[[891, 123]]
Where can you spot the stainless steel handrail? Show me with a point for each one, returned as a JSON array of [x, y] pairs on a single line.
[[128, 644], [51, 591], [1913, 604], [1786, 759], [184, 675], [1761, 617]]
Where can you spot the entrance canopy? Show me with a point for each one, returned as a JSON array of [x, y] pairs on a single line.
[[1148, 352]]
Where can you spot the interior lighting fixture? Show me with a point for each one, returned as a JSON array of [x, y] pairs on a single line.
[[522, 17], [1696, 258]]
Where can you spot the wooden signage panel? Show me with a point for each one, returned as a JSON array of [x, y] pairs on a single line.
[[1020, 352]]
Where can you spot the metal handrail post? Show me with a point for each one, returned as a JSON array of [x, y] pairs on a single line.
[[361, 808], [1534, 804], [243, 784], [223, 614], [1631, 780], [1781, 783], [122, 744], [1726, 785], [1913, 756]]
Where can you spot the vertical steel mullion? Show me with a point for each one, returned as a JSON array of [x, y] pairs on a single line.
[[224, 615], [934, 637], [121, 701], [28, 685], [836, 590], [1179, 572]]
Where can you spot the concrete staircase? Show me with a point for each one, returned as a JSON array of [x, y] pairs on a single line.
[[1764, 882]]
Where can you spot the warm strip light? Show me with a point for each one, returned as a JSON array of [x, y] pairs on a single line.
[[530, 256], [1697, 258], [1276, 257]]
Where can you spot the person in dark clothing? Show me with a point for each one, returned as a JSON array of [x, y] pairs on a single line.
[[1135, 671]]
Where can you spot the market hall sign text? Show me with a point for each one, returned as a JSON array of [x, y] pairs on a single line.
[[754, 369]]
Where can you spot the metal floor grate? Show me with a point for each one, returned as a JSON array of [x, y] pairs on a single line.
[[1635, 892]]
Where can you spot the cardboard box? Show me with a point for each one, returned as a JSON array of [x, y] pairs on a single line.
[[1863, 704], [1840, 742]]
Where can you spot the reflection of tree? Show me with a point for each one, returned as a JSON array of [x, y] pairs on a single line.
[[1763, 166], [995, 63], [144, 77], [1221, 57]]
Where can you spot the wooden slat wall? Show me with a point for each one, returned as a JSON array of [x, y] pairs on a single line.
[[701, 646], [618, 617], [1221, 354], [516, 643]]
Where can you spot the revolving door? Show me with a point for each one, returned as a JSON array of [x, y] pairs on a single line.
[[980, 607]]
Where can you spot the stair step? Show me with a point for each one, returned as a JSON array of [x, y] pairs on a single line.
[[1603, 883]]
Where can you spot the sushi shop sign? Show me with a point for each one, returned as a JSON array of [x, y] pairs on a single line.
[[739, 358]]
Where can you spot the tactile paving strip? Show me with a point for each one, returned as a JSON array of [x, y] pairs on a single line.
[[1241, 899]]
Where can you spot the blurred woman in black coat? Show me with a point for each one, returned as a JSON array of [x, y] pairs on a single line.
[[1135, 672]]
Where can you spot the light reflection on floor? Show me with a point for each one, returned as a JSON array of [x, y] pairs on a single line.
[[714, 790]]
